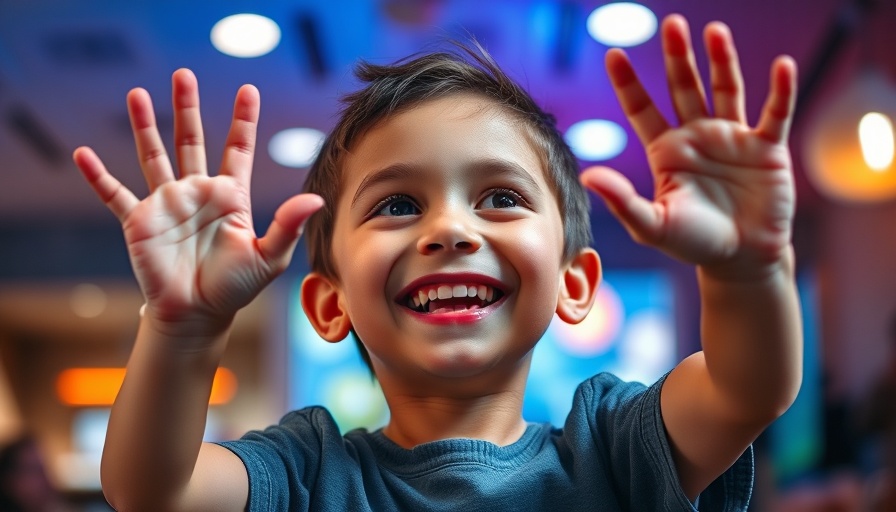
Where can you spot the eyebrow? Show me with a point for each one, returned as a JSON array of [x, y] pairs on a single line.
[[396, 172], [497, 167], [490, 167]]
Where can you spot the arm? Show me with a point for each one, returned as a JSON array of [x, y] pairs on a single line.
[[197, 260], [724, 201]]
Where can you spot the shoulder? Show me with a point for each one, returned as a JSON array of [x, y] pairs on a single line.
[[613, 413], [624, 420], [606, 383], [307, 431], [607, 393], [288, 461], [300, 437]]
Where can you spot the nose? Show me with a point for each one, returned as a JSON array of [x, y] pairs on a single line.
[[451, 230]]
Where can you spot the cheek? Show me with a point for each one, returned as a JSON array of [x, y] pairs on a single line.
[[539, 251], [363, 261]]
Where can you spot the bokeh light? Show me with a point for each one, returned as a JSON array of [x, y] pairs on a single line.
[[596, 139], [245, 35], [88, 300], [296, 147], [622, 24], [593, 335], [355, 399]]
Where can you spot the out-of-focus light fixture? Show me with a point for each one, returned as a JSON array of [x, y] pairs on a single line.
[[876, 140], [296, 147], [622, 24], [849, 142], [92, 387], [245, 35], [596, 139], [88, 300]]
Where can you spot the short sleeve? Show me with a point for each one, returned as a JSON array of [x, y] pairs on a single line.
[[627, 425], [284, 462]]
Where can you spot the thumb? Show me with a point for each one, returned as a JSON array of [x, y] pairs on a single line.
[[643, 219], [284, 231]]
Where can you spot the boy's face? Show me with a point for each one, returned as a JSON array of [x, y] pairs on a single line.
[[447, 199]]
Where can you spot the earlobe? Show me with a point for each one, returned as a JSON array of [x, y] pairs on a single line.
[[578, 286], [322, 303]]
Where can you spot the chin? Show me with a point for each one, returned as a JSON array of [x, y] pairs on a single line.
[[457, 362], [470, 363]]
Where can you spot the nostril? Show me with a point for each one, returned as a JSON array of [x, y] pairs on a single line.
[[433, 247], [463, 245]]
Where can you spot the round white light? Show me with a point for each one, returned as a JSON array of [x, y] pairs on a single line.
[[245, 35], [296, 147], [596, 139], [622, 24], [876, 138]]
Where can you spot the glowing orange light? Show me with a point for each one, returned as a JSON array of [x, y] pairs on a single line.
[[99, 386], [223, 387]]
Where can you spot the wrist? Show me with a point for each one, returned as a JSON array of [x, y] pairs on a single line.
[[190, 333], [755, 271]]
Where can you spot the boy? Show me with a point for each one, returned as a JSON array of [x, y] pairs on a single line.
[[448, 238]]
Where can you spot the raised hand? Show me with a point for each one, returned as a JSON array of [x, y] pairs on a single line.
[[723, 191], [191, 241]]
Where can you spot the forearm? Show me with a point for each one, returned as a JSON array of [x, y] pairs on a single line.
[[158, 419], [752, 340]]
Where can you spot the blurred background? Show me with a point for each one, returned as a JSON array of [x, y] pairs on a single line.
[[68, 301]]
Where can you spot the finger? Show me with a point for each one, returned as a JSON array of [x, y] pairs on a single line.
[[777, 113], [188, 138], [240, 146], [113, 194], [641, 218], [726, 78], [685, 86], [280, 240], [150, 149], [640, 110]]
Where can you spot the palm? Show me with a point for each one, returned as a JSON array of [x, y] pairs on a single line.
[[191, 241], [192, 246], [723, 191]]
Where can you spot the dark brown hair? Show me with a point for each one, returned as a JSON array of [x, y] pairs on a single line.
[[391, 89]]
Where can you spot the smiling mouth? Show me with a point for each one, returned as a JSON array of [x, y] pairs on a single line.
[[447, 298]]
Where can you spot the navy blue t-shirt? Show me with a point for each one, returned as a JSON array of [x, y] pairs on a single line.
[[611, 455]]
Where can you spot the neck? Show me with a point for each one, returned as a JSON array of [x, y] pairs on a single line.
[[425, 413], [496, 418]]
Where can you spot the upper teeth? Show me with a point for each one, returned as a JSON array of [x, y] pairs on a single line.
[[447, 291]]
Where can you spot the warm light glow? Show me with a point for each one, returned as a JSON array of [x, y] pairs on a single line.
[[223, 387], [876, 137], [88, 300], [245, 35], [99, 386], [842, 163]]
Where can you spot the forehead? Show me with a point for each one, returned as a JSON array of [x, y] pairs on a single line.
[[446, 132]]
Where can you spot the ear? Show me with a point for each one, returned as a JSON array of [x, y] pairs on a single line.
[[322, 302], [578, 286]]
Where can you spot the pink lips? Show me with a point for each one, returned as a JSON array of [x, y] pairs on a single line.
[[443, 316]]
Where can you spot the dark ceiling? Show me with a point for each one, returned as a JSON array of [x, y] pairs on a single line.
[[66, 66]]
